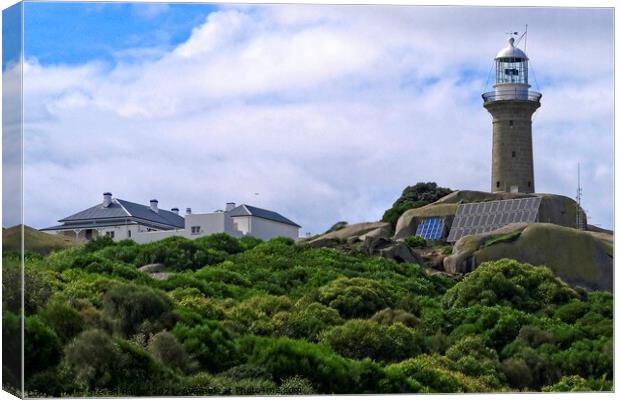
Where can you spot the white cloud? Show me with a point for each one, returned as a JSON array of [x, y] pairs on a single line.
[[327, 112], [150, 10]]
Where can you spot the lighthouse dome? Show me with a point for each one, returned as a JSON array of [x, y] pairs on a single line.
[[511, 51]]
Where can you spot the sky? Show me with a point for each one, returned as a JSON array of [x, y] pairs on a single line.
[[327, 112]]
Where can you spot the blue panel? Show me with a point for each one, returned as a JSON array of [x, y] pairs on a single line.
[[430, 228]]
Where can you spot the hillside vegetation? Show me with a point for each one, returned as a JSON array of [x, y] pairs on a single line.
[[34, 241], [249, 317]]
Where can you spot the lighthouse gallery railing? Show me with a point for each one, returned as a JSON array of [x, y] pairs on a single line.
[[511, 94]]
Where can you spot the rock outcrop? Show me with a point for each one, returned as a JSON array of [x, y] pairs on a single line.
[[580, 258], [372, 238], [556, 209], [352, 233], [151, 268]]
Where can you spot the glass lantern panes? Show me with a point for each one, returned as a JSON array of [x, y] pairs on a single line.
[[431, 228], [511, 70]]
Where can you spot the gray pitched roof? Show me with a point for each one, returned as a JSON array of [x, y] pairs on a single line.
[[247, 210], [145, 212], [114, 210], [126, 209]]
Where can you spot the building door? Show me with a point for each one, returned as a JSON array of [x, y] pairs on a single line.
[[88, 233]]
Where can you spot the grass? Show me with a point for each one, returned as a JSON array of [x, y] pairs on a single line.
[[35, 241], [508, 237]]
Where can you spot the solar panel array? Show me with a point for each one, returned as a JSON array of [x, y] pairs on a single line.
[[472, 218], [431, 228]]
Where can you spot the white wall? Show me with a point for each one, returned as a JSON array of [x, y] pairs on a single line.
[[242, 224], [121, 232], [147, 237], [208, 224], [266, 229]]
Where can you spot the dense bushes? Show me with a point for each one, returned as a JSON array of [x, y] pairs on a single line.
[[134, 306], [210, 344], [360, 339], [355, 297], [251, 317], [414, 196], [507, 282]]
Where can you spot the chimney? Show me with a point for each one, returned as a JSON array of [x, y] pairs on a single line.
[[154, 206], [188, 211], [229, 206], [107, 199], [175, 210]]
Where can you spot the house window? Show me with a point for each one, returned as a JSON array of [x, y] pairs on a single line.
[[129, 233], [195, 230], [514, 154], [110, 234]]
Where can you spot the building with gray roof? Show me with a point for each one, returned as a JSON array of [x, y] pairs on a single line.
[[122, 219], [119, 219]]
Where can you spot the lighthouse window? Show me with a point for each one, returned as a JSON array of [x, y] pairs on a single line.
[[529, 184], [497, 184], [514, 154], [510, 123], [511, 71]]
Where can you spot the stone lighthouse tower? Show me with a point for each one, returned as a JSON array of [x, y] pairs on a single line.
[[511, 105]]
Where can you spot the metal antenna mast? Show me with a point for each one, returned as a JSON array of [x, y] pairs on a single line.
[[579, 223]]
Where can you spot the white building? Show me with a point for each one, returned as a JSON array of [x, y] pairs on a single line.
[[121, 219], [237, 221]]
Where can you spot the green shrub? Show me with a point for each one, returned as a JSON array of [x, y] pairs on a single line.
[[42, 347], [65, 320], [194, 300], [391, 316], [138, 374], [473, 357], [438, 374], [94, 359], [517, 373], [255, 313], [37, 289], [221, 242], [249, 242], [284, 358], [204, 384], [181, 254], [209, 344], [11, 349], [98, 244], [166, 349], [296, 385], [132, 305], [415, 196], [360, 339], [306, 322], [337, 226], [415, 241], [355, 297], [510, 283], [572, 311]]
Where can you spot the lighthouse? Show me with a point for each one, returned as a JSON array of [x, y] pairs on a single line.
[[511, 106]]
